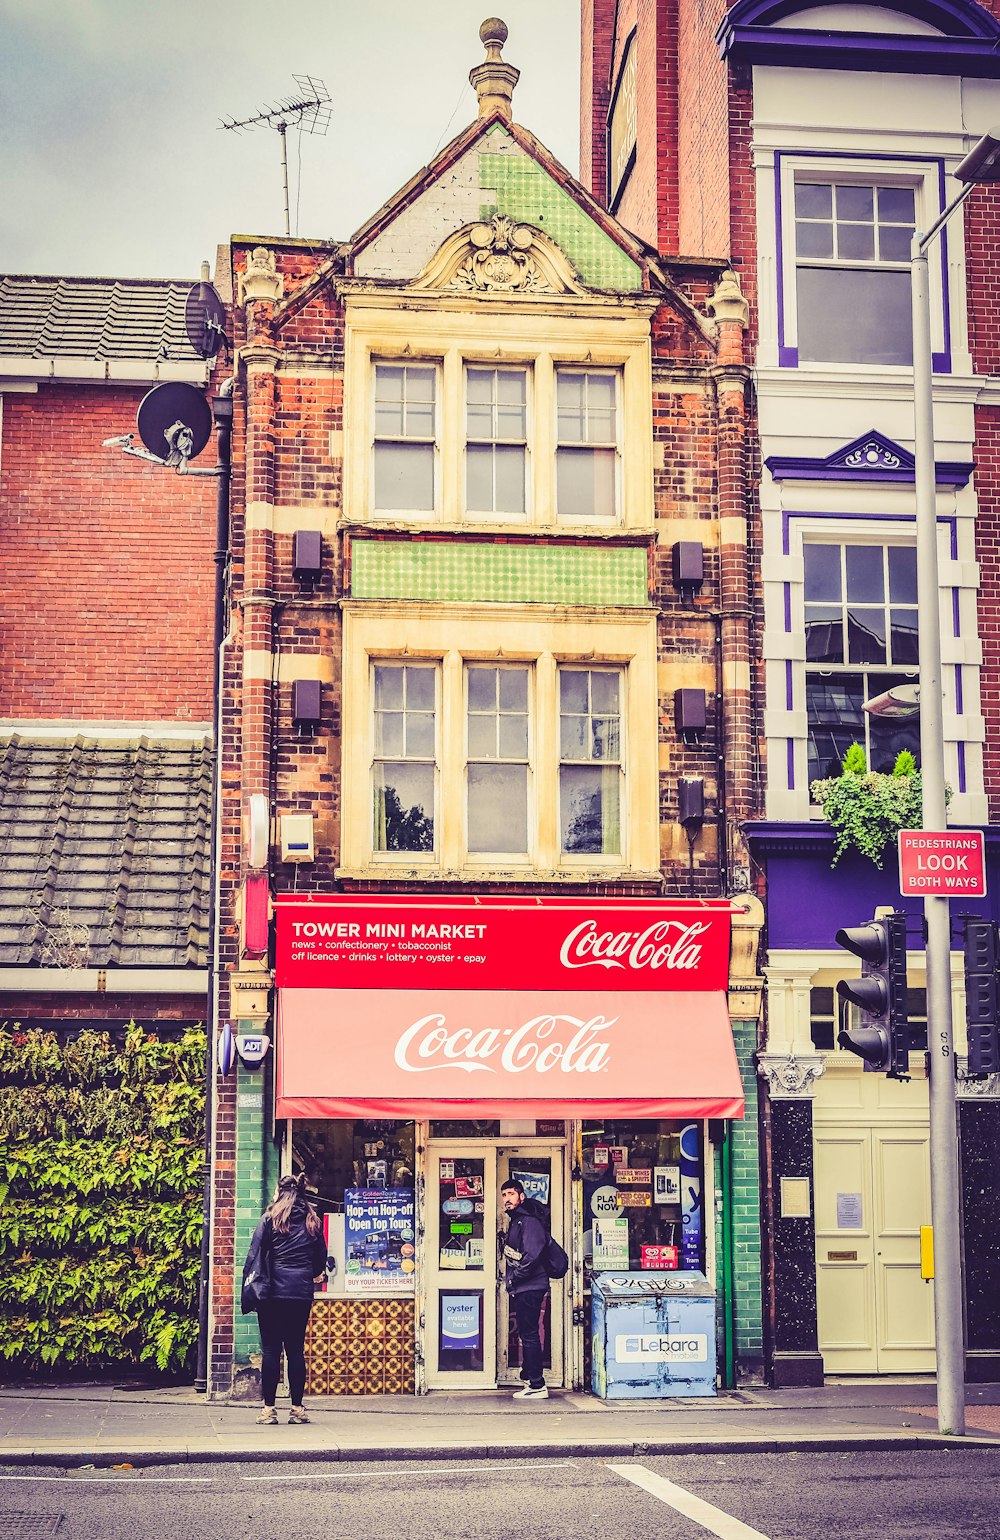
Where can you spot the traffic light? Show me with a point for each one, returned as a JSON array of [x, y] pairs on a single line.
[[982, 996], [882, 1039]]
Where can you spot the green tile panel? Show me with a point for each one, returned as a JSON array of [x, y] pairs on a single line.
[[514, 184], [256, 1175], [466, 572], [746, 1204]]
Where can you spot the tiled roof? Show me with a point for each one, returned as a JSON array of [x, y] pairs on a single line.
[[93, 318], [104, 852]]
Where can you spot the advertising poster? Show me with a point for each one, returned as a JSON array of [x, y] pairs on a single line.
[[660, 1258], [611, 1243], [666, 1184], [460, 1324], [690, 1197], [535, 1184], [634, 1197], [633, 1176], [378, 1240]]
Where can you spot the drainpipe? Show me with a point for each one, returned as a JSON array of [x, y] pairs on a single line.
[[222, 411], [728, 1250]]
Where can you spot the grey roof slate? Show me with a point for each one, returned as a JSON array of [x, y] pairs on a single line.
[[104, 852], [93, 318]]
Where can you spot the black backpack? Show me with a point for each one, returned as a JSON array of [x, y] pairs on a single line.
[[554, 1259]]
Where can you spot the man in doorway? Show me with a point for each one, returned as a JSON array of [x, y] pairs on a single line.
[[526, 1281]]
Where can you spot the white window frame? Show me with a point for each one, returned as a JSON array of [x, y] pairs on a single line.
[[526, 856], [500, 516], [592, 666], [920, 175], [435, 442], [452, 643], [615, 445], [397, 856]]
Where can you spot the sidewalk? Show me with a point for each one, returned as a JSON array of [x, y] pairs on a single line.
[[107, 1425]]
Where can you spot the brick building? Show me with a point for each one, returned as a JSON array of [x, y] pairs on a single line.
[[803, 144], [486, 732], [105, 664]]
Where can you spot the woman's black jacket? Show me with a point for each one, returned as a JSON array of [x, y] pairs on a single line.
[[293, 1259]]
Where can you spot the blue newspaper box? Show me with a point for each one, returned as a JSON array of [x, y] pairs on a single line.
[[653, 1335]]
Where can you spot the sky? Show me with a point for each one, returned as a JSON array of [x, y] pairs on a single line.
[[114, 163]]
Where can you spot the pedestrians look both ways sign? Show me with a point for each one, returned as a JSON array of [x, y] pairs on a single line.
[[942, 865]]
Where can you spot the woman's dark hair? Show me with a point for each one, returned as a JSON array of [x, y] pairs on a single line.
[[279, 1211]]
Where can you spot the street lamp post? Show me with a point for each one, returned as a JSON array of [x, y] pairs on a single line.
[[982, 164]]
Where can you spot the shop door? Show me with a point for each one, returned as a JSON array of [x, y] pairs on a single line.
[[876, 1315], [541, 1172], [460, 1265]]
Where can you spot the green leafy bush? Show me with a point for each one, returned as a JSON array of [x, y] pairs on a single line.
[[101, 1171], [866, 808]]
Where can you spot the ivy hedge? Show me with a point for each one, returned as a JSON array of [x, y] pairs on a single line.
[[101, 1172]]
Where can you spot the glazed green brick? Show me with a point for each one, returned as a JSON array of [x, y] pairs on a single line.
[[256, 1171], [463, 572], [528, 194]]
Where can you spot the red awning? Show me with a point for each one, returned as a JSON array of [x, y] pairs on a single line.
[[346, 1053]]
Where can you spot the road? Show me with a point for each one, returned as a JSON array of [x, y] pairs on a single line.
[[853, 1496]]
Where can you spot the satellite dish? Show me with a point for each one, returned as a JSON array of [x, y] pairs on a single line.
[[174, 422], [205, 319]]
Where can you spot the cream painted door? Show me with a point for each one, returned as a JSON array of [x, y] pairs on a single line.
[[876, 1315], [460, 1265], [541, 1170]]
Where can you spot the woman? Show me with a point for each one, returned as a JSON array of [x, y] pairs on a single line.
[[295, 1250]]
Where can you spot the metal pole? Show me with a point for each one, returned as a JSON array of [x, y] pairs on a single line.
[[284, 174], [945, 1190]]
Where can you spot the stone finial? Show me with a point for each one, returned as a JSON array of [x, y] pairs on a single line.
[[494, 80], [261, 279], [727, 303]]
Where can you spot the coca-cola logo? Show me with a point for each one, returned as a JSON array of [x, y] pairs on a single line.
[[664, 944], [567, 1043]]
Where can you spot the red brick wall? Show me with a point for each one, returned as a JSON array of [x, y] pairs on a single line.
[[108, 573], [147, 1010], [596, 29], [702, 132]]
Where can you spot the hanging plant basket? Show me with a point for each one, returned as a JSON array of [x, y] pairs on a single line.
[[866, 809]]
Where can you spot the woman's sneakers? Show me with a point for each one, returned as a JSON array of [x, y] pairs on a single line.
[[531, 1393], [297, 1414], [268, 1417]]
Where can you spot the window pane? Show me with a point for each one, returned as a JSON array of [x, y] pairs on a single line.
[[813, 200], [878, 305], [866, 636], [509, 496], [894, 243], [419, 687], [897, 204], [865, 574], [482, 736], [513, 689], [903, 639], [420, 734], [388, 687], [856, 243], [604, 691], [855, 202], [573, 684], [513, 737], [569, 402], [388, 732], [903, 574], [403, 807], [404, 476], [824, 633], [822, 572], [482, 689], [479, 478], [836, 720], [813, 239], [573, 737], [479, 385], [585, 482], [890, 735], [419, 383], [590, 814], [498, 809], [604, 739], [479, 420]]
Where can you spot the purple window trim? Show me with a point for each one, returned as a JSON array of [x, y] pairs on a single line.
[[955, 18], [961, 766], [953, 542], [788, 514], [788, 356], [950, 474], [959, 691], [790, 761], [956, 619], [788, 607], [789, 685], [788, 48]]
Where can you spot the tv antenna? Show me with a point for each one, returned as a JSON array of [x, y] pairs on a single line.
[[306, 109]]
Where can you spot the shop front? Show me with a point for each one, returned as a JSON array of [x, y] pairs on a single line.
[[428, 1050]]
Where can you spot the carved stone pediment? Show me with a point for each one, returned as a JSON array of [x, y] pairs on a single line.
[[499, 257]]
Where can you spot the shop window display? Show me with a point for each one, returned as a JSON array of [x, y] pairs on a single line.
[[642, 1186]]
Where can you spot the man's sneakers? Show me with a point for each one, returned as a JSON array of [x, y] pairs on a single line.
[[531, 1393]]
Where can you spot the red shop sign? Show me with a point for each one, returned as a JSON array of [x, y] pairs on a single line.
[[459, 943], [946, 864]]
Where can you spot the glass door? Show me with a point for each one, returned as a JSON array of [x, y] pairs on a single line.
[[540, 1171], [460, 1331]]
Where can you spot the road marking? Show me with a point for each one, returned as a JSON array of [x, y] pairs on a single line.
[[710, 1518], [394, 1471]]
